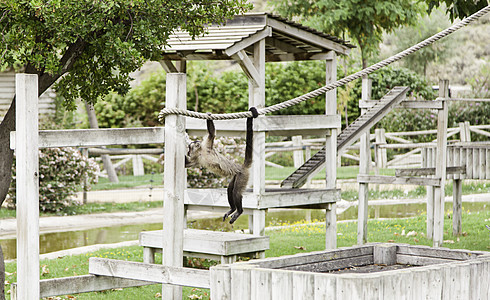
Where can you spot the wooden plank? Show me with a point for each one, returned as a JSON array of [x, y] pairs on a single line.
[[384, 254], [487, 168], [84, 284], [241, 277], [476, 163], [149, 272], [27, 172], [261, 284], [282, 283], [325, 287], [364, 163], [213, 242], [381, 179], [98, 137], [286, 125], [276, 199], [420, 260], [174, 179], [315, 257], [304, 285], [220, 282], [483, 163], [414, 104], [444, 253], [336, 264], [429, 171]]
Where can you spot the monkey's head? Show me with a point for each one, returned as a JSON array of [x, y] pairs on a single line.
[[192, 155]]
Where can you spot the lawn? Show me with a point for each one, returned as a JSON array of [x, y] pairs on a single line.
[[296, 238]]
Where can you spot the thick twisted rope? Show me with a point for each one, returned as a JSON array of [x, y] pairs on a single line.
[[262, 111]]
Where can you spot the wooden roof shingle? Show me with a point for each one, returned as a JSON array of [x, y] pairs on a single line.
[[285, 40]]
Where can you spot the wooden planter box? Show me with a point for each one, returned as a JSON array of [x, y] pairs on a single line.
[[374, 271]]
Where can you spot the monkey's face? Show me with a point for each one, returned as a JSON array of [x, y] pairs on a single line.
[[192, 155]]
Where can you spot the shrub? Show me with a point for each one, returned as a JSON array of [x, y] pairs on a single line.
[[62, 171]]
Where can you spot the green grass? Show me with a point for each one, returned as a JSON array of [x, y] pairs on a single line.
[[297, 238]]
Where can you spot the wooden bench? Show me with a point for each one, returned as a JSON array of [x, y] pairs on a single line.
[[223, 246]]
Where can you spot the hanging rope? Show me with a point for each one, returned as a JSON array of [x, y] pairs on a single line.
[[262, 111]]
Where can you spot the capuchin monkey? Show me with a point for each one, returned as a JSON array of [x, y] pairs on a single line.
[[203, 154]]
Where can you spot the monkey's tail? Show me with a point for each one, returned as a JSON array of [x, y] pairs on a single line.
[[249, 140]]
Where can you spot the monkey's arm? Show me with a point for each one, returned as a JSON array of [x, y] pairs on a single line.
[[211, 133]]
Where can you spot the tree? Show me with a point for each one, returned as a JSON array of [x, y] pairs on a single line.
[[89, 47], [457, 9], [407, 36], [363, 21]]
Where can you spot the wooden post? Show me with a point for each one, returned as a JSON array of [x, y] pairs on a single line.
[[27, 160], [106, 159], [457, 206], [174, 180], [441, 163], [430, 197], [257, 99], [298, 157], [381, 158], [364, 162], [331, 153]]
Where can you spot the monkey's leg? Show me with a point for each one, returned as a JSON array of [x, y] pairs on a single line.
[[237, 197], [229, 191]]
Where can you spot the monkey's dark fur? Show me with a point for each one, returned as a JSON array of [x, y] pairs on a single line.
[[203, 154]]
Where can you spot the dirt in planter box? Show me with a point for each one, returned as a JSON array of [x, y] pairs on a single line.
[[369, 269]]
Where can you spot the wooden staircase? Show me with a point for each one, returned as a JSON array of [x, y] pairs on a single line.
[[348, 136]]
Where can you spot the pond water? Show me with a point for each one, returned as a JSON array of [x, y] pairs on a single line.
[[51, 242]]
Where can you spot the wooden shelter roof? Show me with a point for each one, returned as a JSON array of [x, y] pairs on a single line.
[[285, 40]]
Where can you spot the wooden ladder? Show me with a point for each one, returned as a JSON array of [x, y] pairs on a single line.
[[348, 136]]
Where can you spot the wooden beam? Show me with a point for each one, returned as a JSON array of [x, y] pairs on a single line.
[[436, 104], [307, 37], [83, 284], [97, 137], [168, 66], [288, 48], [413, 104], [248, 67], [380, 179], [247, 42], [149, 272], [428, 171], [287, 125]]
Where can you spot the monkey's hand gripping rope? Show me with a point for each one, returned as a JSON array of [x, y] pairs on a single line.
[[262, 111]]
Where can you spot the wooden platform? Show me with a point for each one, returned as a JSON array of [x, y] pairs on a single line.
[[223, 246], [272, 198]]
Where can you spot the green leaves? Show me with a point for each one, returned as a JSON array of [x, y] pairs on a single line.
[[363, 21], [118, 36]]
